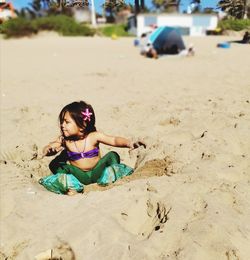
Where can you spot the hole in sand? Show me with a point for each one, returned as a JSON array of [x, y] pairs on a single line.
[[26, 159]]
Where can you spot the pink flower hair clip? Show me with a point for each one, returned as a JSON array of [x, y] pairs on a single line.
[[86, 115]]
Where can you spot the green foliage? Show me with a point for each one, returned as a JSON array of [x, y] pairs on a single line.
[[118, 30], [17, 28], [235, 25], [62, 24]]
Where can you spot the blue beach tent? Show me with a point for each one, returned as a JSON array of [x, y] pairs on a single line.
[[167, 40]]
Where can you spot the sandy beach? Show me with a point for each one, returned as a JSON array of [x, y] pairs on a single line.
[[189, 197]]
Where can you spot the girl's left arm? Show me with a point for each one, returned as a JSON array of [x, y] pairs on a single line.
[[118, 141]]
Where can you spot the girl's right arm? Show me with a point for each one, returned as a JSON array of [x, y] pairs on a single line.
[[53, 147]]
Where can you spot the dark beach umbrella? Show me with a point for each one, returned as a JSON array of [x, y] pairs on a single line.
[[167, 40]]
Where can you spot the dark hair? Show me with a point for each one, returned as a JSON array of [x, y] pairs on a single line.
[[75, 110]]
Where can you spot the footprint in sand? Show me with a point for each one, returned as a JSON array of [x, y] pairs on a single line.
[[171, 121], [20, 152], [61, 251], [199, 210], [207, 156], [15, 251], [143, 217], [232, 255]]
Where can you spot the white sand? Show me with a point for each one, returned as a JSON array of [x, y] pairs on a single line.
[[190, 195]]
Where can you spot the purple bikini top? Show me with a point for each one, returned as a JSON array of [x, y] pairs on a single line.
[[74, 156]]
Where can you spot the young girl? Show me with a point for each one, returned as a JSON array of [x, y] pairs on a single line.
[[80, 161]]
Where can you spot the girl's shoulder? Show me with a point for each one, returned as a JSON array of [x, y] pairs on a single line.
[[93, 135], [92, 138]]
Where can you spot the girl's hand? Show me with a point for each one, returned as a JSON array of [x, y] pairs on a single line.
[[137, 144], [50, 150]]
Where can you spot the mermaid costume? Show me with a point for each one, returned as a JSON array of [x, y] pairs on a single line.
[[66, 176]]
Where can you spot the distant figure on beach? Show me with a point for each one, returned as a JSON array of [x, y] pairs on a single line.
[[80, 161], [164, 40], [150, 52], [187, 52], [246, 38], [147, 48]]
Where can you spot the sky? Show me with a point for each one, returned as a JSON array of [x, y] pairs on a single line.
[[18, 4]]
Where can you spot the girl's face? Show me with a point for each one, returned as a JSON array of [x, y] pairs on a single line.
[[69, 126]]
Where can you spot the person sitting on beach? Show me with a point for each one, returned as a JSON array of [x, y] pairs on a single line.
[[149, 51], [187, 52], [80, 162], [246, 38]]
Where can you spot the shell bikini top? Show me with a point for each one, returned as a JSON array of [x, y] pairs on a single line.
[[74, 156]]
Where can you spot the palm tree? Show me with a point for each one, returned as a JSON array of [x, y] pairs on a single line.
[[113, 6], [246, 8], [167, 5], [139, 6], [196, 6], [234, 8], [37, 7]]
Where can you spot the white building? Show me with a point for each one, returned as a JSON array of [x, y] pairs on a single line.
[[189, 24]]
